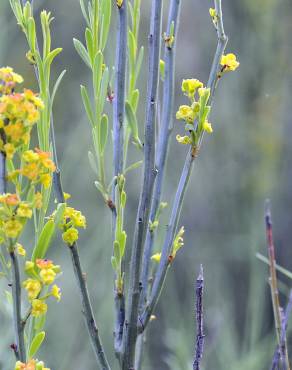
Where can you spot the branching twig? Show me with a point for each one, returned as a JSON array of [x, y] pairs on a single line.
[[16, 293], [199, 318], [280, 331], [87, 310], [277, 354], [164, 135], [186, 172], [130, 336], [118, 135]]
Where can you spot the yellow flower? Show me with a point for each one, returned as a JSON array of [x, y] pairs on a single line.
[[24, 210], [183, 139], [31, 171], [9, 150], [8, 80], [229, 62], [38, 200], [207, 127], [178, 242], [33, 288], [44, 264], [48, 276], [186, 113], [29, 266], [120, 3], [20, 250], [12, 228], [212, 12], [156, 257], [14, 131], [46, 179], [78, 219], [70, 236], [204, 92], [38, 307], [190, 85], [31, 365], [30, 156], [67, 196], [9, 199], [56, 293]]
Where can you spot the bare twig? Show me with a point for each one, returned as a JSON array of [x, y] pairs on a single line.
[[16, 293], [130, 335], [163, 138], [281, 334], [199, 318], [118, 135], [286, 315]]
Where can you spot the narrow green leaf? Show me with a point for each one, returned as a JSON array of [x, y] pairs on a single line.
[[80, 48], [135, 99], [106, 11], [83, 10], [122, 242], [97, 71], [92, 162], [89, 44], [39, 322], [139, 61], [103, 132], [132, 47], [117, 250], [56, 86], [31, 34], [114, 263], [103, 89], [51, 56], [132, 122], [59, 213], [44, 241], [133, 166], [36, 343], [87, 105]]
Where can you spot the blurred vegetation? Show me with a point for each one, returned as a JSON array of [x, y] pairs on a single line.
[[247, 159]]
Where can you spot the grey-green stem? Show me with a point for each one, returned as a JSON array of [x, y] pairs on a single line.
[[183, 183], [149, 173]]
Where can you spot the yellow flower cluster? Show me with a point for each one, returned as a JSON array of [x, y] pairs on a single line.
[[72, 219], [229, 63], [18, 113], [37, 168], [42, 273], [177, 243], [14, 214], [8, 80], [30, 365], [198, 110]]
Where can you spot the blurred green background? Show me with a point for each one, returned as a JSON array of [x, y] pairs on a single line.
[[247, 159]]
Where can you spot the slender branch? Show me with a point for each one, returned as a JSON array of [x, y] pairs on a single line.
[[164, 135], [87, 310], [277, 354], [183, 183], [130, 336], [2, 172], [282, 342], [120, 92], [199, 317], [16, 293], [118, 142], [273, 277]]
